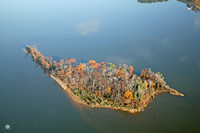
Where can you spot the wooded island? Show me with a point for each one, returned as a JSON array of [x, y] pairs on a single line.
[[104, 85]]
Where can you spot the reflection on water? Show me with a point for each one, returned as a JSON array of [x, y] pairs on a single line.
[[88, 27], [102, 119], [192, 4]]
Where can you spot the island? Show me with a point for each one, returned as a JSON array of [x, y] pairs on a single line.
[[103, 85]]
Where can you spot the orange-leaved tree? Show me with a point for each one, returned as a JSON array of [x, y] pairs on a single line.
[[31, 50], [68, 73], [94, 64], [70, 61], [128, 95], [102, 66], [144, 73], [43, 62], [90, 62], [38, 55], [131, 70], [47, 65], [119, 71], [122, 82], [81, 68]]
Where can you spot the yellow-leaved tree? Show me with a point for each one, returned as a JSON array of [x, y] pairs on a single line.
[[128, 95]]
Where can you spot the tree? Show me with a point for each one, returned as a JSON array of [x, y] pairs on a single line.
[[131, 70], [70, 61], [81, 68], [128, 95], [43, 62], [94, 64], [68, 73], [31, 50], [61, 62], [38, 55], [103, 66], [108, 90], [47, 65], [90, 62], [119, 72]]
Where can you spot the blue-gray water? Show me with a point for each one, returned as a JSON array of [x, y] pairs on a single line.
[[163, 35]]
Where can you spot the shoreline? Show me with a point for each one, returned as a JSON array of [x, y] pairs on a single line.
[[133, 100], [78, 100]]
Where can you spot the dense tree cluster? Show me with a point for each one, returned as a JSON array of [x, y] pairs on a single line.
[[103, 83]]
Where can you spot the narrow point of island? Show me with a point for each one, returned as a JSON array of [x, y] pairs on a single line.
[[103, 85]]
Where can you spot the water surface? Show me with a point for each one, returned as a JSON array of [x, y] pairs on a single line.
[[162, 35]]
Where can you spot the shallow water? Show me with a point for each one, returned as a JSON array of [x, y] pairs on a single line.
[[162, 35]]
